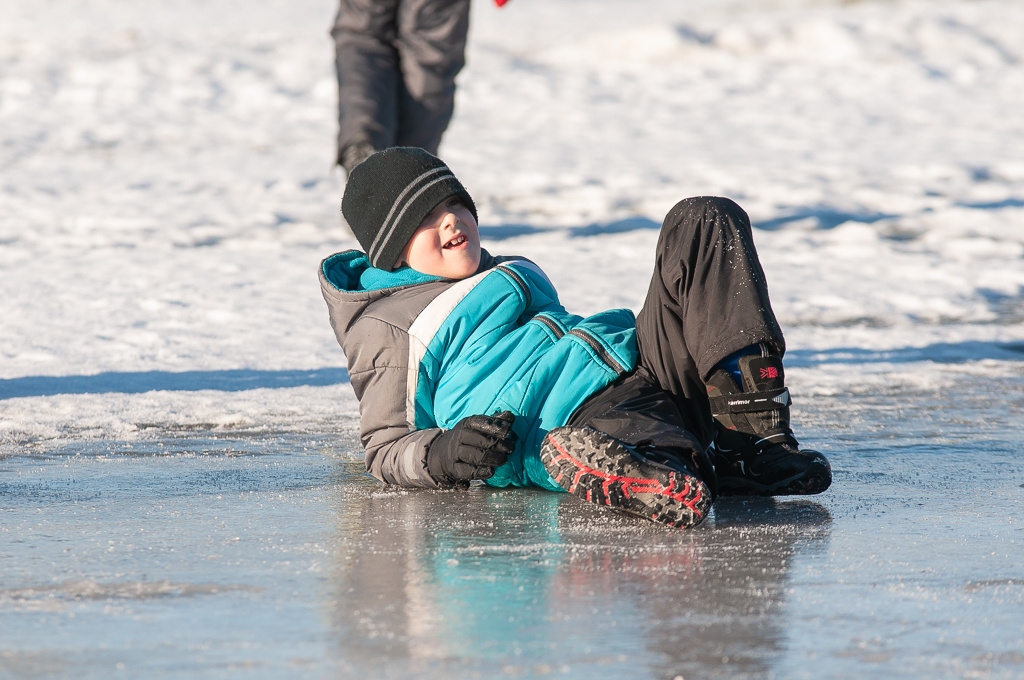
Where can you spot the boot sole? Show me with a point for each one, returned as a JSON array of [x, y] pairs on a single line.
[[595, 467]]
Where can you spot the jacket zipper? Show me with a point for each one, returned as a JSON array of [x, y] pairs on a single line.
[[552, 326], [599, 349], [520, 282]]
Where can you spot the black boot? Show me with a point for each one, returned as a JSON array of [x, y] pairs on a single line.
[[755, 452]]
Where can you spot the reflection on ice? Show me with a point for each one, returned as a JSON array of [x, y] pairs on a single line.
[[527, 581]]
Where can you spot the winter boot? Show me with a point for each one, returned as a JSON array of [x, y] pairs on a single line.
[[755, 452], [602, 470], [355, 153]]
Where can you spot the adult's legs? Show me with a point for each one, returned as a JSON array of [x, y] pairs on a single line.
[[396, 62], [369, 77], [708, 299], [431, 43]]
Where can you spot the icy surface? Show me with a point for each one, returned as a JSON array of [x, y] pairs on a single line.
[[179, 462], [235, 554]]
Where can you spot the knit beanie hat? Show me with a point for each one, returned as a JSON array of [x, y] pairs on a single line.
[[389, 194]]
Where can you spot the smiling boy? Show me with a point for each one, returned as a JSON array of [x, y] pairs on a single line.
[[467, 367], [446, 243]]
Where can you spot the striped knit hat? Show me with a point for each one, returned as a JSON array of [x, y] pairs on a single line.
[[389, 194]]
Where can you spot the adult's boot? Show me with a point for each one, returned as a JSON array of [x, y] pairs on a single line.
[[354, 153], [755, 452]]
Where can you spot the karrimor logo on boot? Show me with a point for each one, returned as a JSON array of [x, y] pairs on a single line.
[[769, 373]]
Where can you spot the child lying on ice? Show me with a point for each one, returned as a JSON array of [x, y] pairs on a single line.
[[467, 367]]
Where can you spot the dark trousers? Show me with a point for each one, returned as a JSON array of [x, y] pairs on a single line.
[[708, 298], [396, 62]]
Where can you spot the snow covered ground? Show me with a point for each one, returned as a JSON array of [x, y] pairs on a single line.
[[166, 189], [166, 193]]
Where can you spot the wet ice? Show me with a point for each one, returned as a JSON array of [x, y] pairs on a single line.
[[276, 554]]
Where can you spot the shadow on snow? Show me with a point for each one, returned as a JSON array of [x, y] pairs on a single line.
[[826, 217], [243, 379], [940, 352], [148, 381], [993, 205], [507, 231]]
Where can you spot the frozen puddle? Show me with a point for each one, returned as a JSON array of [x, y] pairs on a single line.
[[199, 554]]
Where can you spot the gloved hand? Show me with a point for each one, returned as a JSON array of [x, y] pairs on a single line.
[[472, 449]]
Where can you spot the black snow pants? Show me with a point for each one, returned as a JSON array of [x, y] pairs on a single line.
[[396, 62], [708, 299]]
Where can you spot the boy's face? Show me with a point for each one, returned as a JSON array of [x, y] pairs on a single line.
[[447, 242]]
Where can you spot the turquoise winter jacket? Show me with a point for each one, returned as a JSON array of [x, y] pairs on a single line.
[[425, 352]]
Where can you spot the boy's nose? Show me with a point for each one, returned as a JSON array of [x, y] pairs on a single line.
[[451, 220]]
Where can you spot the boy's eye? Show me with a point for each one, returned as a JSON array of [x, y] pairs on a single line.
[[454, 202]]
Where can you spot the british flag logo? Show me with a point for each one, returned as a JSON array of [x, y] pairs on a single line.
[[769, 372]]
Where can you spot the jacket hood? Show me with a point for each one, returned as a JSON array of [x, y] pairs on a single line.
[[350, 284], [351, 272]]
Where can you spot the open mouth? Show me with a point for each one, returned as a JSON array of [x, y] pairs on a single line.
[[455, 242]]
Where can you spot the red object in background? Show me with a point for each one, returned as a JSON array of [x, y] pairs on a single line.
[[500, 3]]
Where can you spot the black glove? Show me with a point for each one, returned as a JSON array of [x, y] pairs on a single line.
[[471, 449]]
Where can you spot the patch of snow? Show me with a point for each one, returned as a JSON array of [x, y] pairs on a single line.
[[166, 189]]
